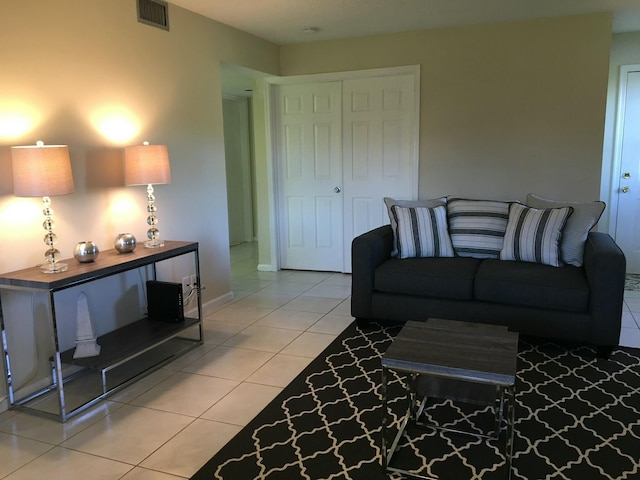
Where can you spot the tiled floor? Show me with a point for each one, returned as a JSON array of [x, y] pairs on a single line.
[[168, 424]]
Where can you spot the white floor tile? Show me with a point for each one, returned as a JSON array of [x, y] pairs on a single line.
[[216, 332], [265, 300], [633, 304], [280, 370], [309, 344], [16, 452], [242, 404], [266, 339], [331, 324], [240, 314], [328, 291], [289, 319], [630, 337], [228, 362], [186, 394], [52, 431], [312, 304], [130, 434], [62, 463], [628, 321], [140, 473], [185, 453]]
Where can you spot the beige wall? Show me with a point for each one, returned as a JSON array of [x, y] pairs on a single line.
[[67, 69], [506, 109]]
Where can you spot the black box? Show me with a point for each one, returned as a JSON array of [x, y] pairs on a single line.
[[164, 301]]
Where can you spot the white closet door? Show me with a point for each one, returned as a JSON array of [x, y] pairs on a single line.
[[380, 153], [309, 175], [342, 146]]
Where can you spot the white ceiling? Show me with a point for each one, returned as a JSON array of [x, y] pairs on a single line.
[[283, 21]]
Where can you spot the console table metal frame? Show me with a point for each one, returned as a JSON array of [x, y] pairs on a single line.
[[119, 347], [484, 355]]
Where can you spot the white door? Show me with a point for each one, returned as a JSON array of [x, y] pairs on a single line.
[[309, 175], [628, 218], [380, 153]]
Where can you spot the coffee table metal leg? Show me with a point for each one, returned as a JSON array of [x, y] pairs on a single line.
[[498, 410], [384, 418], [511, 406]]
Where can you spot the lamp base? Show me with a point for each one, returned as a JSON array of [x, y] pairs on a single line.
[[54, 267], [155, 243]]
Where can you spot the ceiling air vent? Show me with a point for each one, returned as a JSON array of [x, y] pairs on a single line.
[[154, 13]]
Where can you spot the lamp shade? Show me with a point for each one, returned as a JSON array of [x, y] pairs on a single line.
[[146, 164], [41, 170]]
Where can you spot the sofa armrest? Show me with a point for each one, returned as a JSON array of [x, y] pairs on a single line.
[[367, 252], [605, 267]]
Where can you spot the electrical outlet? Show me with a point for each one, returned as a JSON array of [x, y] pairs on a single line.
[[185, 284], [194, 280]]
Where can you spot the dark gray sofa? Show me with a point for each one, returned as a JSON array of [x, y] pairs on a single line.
[[577, 304]]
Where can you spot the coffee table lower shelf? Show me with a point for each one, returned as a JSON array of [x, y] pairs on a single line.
[[126, 355]]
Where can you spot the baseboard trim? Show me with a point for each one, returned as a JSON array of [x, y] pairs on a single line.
[[266, 267]]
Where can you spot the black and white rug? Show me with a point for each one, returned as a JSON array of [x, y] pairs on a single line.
[[577, 417], [632, 281]]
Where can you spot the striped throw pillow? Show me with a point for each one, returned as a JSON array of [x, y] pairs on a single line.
[[477, 226], [391, 202], [422, 232], [584, 217], [533, 235]]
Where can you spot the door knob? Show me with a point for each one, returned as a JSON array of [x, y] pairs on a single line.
[[625, 189], [337, 189], [626, 175]]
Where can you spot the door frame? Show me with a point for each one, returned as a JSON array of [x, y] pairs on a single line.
[[616, 165], [272, 144]]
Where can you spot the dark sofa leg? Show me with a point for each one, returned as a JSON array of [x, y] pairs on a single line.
[[604, 351], [363, 323]]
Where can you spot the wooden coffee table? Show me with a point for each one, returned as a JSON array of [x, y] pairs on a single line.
[[461, 361]]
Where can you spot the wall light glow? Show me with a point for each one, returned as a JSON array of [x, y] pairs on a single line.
[[123, 212], [116, 124], [21, 213], [17, 119]]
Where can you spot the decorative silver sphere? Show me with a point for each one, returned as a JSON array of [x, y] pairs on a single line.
[[86, 252], [125, 243]]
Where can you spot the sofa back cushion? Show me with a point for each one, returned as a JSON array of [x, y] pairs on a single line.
[[584, 217], [422, 232], [477, 227], [533, 235]]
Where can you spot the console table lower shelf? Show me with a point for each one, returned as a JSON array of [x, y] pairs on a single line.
[[126, 354]]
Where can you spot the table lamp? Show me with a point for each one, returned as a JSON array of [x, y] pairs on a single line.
[[41, 171], [147, 165]]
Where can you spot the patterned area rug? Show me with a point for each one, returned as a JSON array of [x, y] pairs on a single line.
[[632, 282], [577, 417]]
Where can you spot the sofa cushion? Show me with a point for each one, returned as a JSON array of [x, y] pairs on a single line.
[[422, 232], [584, 217], [477, 227], [450, 278], [391, 202], [533, 235], [532, 285]]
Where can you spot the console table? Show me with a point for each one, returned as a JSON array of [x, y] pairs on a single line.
[[126, 353]]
